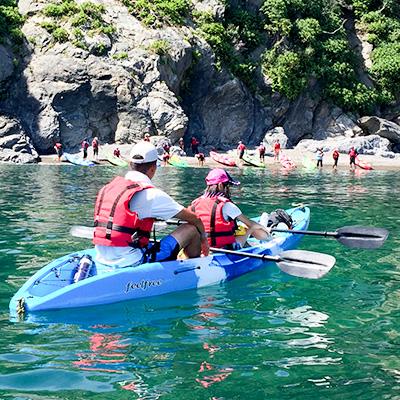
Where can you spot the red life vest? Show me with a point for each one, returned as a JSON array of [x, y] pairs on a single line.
[[352, 153], [114, 222], [209, 209]]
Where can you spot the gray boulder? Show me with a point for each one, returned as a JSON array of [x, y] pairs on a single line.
[[381, 127], [274, 134], [371, 144], [15, 145], [332, 121]]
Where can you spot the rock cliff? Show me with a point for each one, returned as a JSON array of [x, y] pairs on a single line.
[[122, 79]]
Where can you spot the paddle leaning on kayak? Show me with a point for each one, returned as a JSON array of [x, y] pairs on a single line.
[[126, 209]]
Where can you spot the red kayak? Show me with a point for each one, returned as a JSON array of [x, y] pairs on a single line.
[[362, 164], [286, 162], [223, 159]]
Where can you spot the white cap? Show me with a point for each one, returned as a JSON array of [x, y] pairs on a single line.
[[143, 152]]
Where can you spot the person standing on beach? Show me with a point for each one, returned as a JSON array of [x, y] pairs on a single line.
[[240, 149], [95, 147], [261, 151], [335, 156], [59, 150], [181, 144], [166, 147], [200, 158], [194, 143], [277, 150], [320, 156], [117, 153], [85, 146], [353, 154]]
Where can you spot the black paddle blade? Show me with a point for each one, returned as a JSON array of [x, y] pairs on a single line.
[[305, 264], [362, 237]]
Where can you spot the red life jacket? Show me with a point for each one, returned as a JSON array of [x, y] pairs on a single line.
[[114, 222], [352, 153], [209, 209]]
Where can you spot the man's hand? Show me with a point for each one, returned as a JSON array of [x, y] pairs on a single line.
[[205, 248]]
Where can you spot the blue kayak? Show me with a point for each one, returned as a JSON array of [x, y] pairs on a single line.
[[52, 287], [78, 160]]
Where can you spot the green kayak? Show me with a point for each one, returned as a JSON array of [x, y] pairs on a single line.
[[253, 161], [120, 162], [176, 161]]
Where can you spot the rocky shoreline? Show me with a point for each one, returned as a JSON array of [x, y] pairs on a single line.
[[296, 155]]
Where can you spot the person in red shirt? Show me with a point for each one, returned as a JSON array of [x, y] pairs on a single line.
[[353, 154], [240, 149], [85, 146], [261, 151], [59, 150], [277, 150], [194, 143], [117, 153], [335, 156], [95, 147]]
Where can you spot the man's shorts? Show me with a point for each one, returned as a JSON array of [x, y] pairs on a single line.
[[166, 250]]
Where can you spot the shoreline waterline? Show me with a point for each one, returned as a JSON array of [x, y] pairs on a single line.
[[377, 162]]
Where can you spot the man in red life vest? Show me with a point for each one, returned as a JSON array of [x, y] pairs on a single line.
[[125, 211], [335, 156], [117, 152], [59, 150], [240, 149], [219, 214], [95, 147], [277, 150], [194, 143], [353, 154]]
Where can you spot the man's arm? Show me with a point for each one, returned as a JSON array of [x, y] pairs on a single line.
[[191, 218], [257, 230]]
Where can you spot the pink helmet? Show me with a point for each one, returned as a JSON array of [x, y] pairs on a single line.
[[219, 175]]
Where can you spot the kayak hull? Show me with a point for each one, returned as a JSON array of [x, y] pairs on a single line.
[[52, 286], [362, 164], [77, 160], [176, 161], [119, 162], [223, 159], [253, 161]]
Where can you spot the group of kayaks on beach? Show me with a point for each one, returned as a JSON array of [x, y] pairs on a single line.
[[239, 157], [213, 241]]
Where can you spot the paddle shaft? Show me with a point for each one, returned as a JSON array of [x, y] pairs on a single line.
[[311, 233], [265, 257]]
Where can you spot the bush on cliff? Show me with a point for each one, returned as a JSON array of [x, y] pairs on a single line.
[[10, 21]]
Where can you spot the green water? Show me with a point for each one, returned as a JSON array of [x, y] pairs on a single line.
[[263, 335]]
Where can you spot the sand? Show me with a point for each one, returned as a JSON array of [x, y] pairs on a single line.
[[378, 163]]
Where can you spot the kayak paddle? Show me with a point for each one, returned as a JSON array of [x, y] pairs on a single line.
[[301, 263], [362, 237]]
